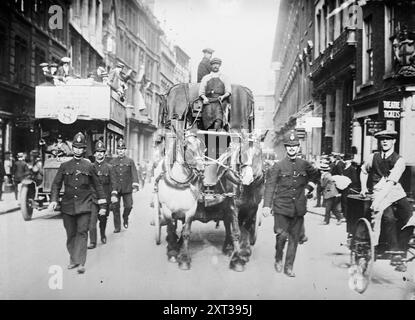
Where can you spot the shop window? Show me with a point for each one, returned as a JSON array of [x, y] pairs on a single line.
[[4, 58]]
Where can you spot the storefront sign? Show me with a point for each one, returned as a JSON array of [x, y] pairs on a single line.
[[391, 109], [373, 126], [115, 129]]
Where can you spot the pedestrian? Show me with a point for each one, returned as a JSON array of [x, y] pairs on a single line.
[[127, 182], [290, 182], [2, 175], [81, 184], [20, 171], [106, 174], [349, 171], [204, 67], [331, 194], [385, 169]]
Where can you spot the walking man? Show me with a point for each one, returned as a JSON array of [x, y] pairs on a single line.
[[126, 178], [81, 183], [106, 175], [20, 171], [289, 183]]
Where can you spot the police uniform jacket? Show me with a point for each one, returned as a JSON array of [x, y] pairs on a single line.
[[285, 185], [106, 175], [125, 174], [81, 182]]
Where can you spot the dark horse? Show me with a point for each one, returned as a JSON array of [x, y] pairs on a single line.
[[235, 199]]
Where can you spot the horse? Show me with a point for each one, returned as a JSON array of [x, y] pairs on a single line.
[[178, 189], [237, 191]]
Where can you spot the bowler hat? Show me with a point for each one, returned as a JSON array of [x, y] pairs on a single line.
[[386, 134], [216, 60], [291, 139], [324, 166], [100, 146], [208, 50], [79, 140]]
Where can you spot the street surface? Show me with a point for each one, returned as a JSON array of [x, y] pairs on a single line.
[[132, 266]]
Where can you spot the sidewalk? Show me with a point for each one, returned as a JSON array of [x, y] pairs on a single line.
[[9, 203]]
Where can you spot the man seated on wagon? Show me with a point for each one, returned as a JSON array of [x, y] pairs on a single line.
[[214, 91], [386, 168]]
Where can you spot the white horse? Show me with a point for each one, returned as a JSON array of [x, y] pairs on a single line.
[[178, 188]]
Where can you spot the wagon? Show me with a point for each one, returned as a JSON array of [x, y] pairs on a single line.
[[182, 107], [361, 241]]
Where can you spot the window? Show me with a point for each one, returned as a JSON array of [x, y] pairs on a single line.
[[39, 13], [389, 32], [22, 65], [4, 57], [40, 56], [367, 50]]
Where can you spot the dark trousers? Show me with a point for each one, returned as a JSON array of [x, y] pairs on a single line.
[[16, 189], [93, 223], [343, 200], [127, 199], [1, 189], [333, 205], [393, 221], [319, 194], [287, 228], [76, 227]]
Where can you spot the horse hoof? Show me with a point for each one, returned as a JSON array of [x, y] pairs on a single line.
[[172, 259], [184, 266], [238, 267]]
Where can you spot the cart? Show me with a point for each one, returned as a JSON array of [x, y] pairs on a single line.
[[361, 241]]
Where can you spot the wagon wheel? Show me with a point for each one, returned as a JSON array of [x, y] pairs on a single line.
[[157, 223], [362, 256], [26, 198], [254, 229]]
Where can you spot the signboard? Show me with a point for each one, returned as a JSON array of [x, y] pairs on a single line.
[[71, 102], [115, 129], [390, 110], [373, 126], [118, 112]]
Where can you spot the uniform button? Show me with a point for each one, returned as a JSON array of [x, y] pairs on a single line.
[[76, 188], [75, 196], [76, 179]]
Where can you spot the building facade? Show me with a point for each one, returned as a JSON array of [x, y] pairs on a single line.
[[31, 32], [182, 69], [292, 58]]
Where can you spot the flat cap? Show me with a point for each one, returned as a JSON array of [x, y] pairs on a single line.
[[386, 134], [66, 59], [208, 50], [216, 60], [44, 64]]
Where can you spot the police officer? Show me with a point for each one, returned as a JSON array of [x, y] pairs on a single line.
[[127, 180], [81, 183], [389, 165], [289, 183], [106, 175]]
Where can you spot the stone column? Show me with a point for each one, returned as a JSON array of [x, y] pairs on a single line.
[[337, 19], [84, 16], [92, 22], [99, 26], [338, 121]]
